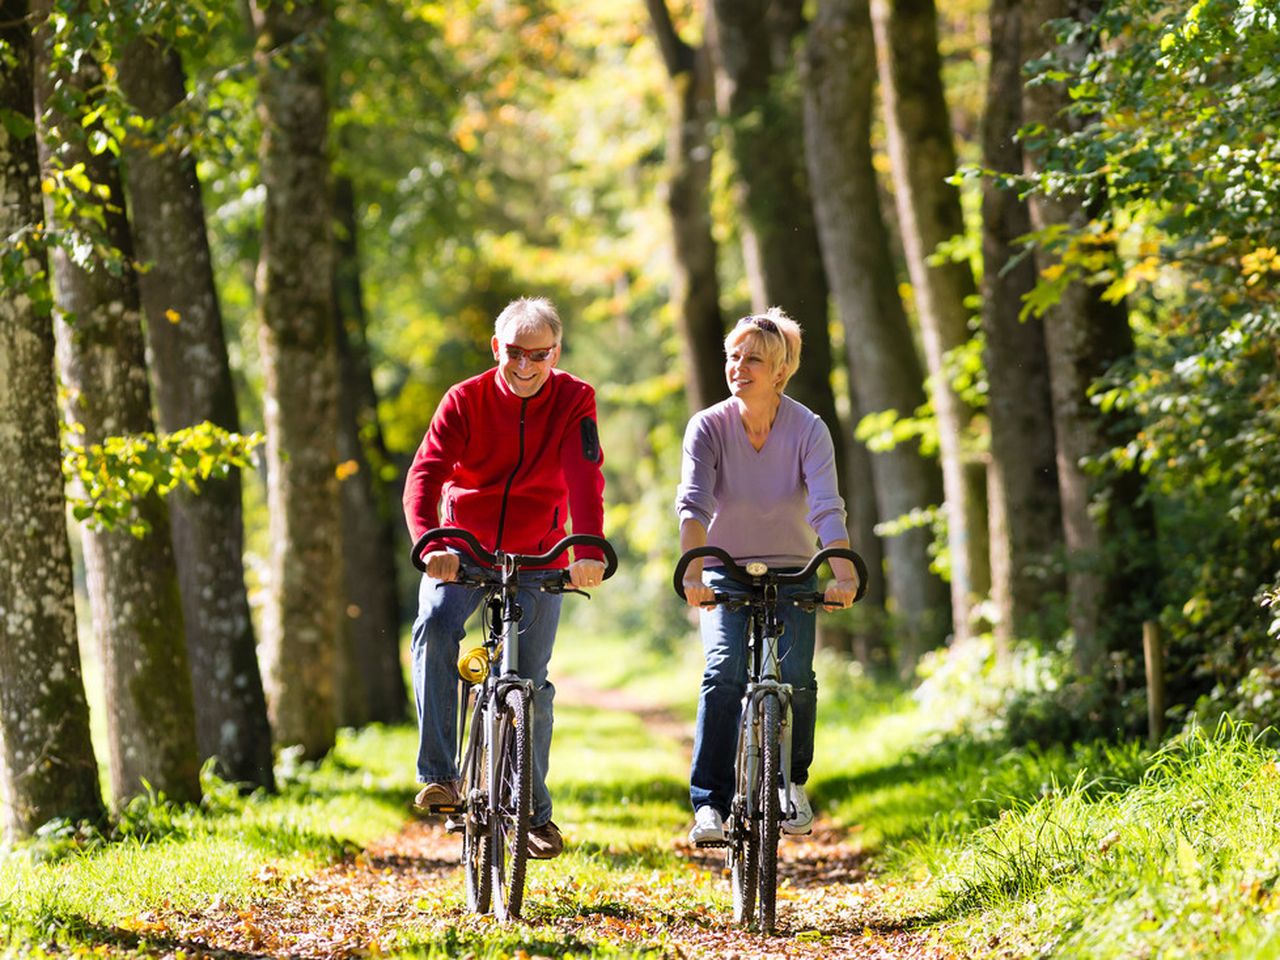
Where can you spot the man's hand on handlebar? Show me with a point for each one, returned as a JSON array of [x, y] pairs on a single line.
[[442, 565], [584, 574]]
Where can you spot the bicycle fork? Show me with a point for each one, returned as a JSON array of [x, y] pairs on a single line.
[[753, 748]]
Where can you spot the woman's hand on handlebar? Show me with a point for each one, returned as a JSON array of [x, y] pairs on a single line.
[[840, 593], [697, 593], [442, 565], [585, 574]]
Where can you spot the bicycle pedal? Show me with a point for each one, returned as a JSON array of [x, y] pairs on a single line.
[[455, 826], [711, 844], [436, 809]]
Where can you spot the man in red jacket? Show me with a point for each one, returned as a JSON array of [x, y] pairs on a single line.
[[510, 456]]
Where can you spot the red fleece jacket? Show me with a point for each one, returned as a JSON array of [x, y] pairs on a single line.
[[511, 471]]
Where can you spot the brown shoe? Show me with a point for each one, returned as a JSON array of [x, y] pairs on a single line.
[[434, 796], [545, 842]]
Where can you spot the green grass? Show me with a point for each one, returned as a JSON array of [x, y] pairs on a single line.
[[1095, 850]]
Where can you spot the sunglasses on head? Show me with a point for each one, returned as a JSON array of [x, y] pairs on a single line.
[[761, 323], [515, 353]]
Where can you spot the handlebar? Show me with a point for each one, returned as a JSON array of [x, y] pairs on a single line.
[[739, 573], [541, 560]]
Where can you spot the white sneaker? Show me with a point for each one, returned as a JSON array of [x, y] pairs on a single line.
[[708, 826], [802, 822]]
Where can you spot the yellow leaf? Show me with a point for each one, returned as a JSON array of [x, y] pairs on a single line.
[[172, 315], [348, 468]]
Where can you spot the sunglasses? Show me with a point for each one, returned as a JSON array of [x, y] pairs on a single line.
[[514, 353], [761, 323]]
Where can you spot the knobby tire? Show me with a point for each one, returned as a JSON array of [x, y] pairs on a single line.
[[770, 758], [509, 829]]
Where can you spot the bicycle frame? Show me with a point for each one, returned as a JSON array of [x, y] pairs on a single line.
[[764, 679], [495, 809], [755, 813]]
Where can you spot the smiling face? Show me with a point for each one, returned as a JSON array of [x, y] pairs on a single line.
[[525, 360], [748, 370]]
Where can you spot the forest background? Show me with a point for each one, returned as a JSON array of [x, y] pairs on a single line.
[[1049, 358]]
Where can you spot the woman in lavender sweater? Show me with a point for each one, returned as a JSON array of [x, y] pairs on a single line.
[[758, 479]]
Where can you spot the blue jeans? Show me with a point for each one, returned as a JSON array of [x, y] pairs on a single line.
[[724, 642], [437, 633]]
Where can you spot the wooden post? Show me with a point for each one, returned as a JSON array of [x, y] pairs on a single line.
[[1153, 653]]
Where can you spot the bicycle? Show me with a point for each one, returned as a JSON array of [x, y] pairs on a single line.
[[762, 765], [494, 754]]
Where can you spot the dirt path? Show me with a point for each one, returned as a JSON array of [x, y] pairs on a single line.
[[827, 904]]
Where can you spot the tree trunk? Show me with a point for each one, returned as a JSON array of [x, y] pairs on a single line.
[[781, 248], [47, 765], [301, 623], [885, 371], [695, 288], [1025, 512], [133, 586], [368, 557], [192, 379], [1111, 565], [923, 157]]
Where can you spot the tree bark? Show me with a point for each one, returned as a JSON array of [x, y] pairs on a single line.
[[47, 764], [781, 249], [301, 623], [923, 157], [192, 378], [132, 583], [372, 617], [1109, 532], [695, 287], [1025, 520], [885, 371]]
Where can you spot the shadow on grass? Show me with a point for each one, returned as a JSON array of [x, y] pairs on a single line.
[[636, 858], [74, 931]]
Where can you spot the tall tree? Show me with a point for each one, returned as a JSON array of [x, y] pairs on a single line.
[[192, 378], [784, 262], [1025, 520], [695, 286], [133, 587], [1107, 526], [375, 690], [923, 157], [47, 765], [885, 370], [295, 287]]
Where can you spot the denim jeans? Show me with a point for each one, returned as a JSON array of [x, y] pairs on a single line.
[[437, 634], [724, 642]]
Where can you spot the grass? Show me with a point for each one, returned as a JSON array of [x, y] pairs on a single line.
[[1094, 850]]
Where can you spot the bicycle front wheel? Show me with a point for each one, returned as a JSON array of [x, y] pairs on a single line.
[[510, 803], [770, 758]]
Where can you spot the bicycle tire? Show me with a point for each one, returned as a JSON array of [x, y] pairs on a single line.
[[509, 809], [744, 833], [770, 757], [477, 850]]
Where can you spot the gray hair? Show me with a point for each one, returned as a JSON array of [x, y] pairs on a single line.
[[527, 315]]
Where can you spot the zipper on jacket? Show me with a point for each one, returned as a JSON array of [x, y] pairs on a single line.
[[502, 513]]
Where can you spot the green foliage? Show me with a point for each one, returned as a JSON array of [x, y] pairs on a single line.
[[1172, 147], [111, 478]]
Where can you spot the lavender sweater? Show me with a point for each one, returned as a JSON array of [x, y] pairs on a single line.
[[761, 505]]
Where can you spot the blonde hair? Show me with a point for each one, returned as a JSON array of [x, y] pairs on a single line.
[[527, 315], [775, 336]]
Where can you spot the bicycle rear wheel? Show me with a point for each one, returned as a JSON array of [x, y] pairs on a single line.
[[477, 849], [744, 828], [770, 758], [509, 809]]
